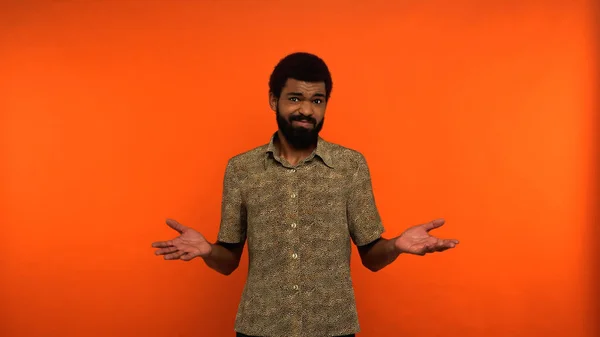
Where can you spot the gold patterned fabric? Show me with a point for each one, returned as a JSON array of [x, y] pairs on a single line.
[[299, 222]]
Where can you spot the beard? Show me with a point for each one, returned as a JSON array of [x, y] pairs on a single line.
[[299, 137]]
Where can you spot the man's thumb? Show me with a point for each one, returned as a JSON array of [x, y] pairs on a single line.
[[434, 224], [176, 225]]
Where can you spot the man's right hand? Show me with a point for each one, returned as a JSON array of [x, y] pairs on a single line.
[[188, 245]]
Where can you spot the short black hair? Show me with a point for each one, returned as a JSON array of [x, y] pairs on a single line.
[[300, 66]]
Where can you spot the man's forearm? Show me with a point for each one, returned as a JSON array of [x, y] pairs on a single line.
[[224, 258], [379, 254]]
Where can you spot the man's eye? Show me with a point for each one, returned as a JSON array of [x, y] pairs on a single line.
[[294, 99], [318, 101]]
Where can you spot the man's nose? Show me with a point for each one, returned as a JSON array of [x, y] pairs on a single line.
[[306, 108]]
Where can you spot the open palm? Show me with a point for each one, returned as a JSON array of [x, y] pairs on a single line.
[[188, 245], [417, 240]]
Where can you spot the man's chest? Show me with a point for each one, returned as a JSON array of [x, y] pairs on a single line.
[[306, 204], [313, 190]]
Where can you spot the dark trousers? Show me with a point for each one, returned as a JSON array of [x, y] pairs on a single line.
[[239, 334]]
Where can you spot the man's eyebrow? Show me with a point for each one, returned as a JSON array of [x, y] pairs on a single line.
[[301, 94]]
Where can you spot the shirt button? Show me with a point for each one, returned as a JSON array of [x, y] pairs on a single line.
[[294, 225], [293, 195], [294, 256], [295, 287], [292, 170]]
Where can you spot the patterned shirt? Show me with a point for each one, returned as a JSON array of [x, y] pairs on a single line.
[[299, 221]]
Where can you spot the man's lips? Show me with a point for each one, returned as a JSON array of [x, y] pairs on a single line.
[[303, 123]]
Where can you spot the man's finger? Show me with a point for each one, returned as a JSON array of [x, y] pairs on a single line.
[[174, 256], [434, 224], [164, 251], [162, 244], [446, 244], [187, 256], [429, 248], [176, 225], [451, 242]]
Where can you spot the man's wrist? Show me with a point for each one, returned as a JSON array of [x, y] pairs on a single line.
[[395, 250], [210, 251]]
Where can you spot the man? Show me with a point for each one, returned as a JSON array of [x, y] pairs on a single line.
[[299, 201]]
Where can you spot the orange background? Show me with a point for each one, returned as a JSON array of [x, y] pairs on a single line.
[[118, 114]]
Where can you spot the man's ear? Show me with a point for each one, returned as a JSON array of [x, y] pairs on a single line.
[[273, 101]]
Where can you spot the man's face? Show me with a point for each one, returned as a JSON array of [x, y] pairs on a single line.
[[300, 112]]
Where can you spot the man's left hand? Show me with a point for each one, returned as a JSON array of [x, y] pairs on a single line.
[[416, 240]]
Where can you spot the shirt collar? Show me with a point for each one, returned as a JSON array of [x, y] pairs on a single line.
[[322, 151]]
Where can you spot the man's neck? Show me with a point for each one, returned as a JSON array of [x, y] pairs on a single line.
[[289, 153]]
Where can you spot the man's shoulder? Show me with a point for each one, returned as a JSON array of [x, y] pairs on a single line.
[[249, 157], [342, 150], [344, 154]]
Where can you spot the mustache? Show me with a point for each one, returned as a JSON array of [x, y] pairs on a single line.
[[300, 118]]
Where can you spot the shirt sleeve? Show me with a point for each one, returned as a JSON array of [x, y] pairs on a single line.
[[364, 221], [233, 224]]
